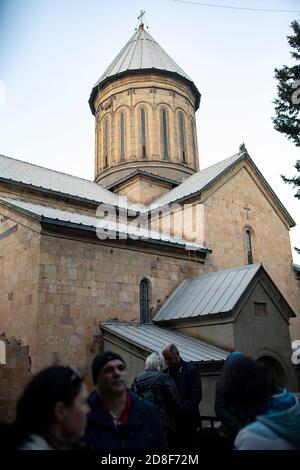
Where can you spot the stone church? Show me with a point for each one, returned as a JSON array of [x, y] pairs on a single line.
[[155, 250]]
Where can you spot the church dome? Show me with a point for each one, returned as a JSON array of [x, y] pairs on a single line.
[[144, 106], [142, 54]]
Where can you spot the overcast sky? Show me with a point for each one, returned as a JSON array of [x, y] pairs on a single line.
[[53, 51]]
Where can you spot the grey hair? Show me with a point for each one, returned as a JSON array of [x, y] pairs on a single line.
[[154, 362]]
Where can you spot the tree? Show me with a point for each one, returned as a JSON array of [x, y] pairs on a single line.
[[287, 103]]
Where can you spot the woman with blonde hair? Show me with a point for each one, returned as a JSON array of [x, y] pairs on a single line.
[[160, 389]]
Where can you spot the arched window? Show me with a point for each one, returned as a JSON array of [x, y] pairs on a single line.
[[164, 133], [122, 136], [143, 132], [106, 142], [248, 236], [194, 144], [144, 301], [182, 136]]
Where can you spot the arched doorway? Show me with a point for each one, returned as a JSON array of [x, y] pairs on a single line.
[[276, 369]]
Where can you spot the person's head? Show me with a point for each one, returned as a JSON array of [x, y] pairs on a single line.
[[55, 402], [233, 354], [171, 355], [154, 362], [246, 386], [109, 374]]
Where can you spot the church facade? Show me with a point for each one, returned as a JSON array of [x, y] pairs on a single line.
[[123, 262]]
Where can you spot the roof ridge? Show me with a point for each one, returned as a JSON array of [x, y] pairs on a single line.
[[236, 268], [221, 161], [160, 201]]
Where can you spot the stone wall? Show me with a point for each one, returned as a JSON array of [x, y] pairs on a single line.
[[14, 375], [226, 221], [83, 283], [143, 190], [19, 275]]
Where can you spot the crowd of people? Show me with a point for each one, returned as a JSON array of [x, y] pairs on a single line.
[[159, 412]]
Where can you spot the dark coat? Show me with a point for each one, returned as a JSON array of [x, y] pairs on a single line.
[[188, 382], [143, 430], [230, 424], [160, 389]]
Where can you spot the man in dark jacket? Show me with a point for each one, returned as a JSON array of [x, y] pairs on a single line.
[[188, 382], [119, 419]]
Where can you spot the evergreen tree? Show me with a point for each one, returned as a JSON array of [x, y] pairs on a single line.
[[287, 103]]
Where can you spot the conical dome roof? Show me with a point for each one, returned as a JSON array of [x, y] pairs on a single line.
[[142, 54]]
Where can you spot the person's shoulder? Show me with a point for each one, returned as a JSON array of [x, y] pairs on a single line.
[[189, 365], [35, 442], [96, 413], [93, 400], [140, 403], [165, 378]]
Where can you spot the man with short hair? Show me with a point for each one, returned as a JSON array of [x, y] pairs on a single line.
[[188, 382], [119, 419]]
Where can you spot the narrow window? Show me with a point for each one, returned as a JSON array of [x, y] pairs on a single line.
[[106, 143], [164, 128], [194, 144], [182, 136], [2, 352], [144, 301], [249, 246], [260, 309], [143, 133], [122, 134]]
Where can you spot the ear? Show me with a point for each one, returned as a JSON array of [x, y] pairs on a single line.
[[59, 411]]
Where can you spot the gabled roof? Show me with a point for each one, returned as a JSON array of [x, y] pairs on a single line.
[[109, 228], [35, 176], [214, 293], [296, 267], [139, 172], [202, 180], [152, 338], [197, 182], [142, 53]]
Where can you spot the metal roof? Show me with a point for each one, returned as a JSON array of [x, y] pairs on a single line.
[[61, 217], [196, 182], [42, 178], [296, 267], [213, 293], [62, 184], [152, 338], [201, 180], [142, 53], [139, 172]]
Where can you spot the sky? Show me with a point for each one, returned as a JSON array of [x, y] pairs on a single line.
[[53, 51]]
